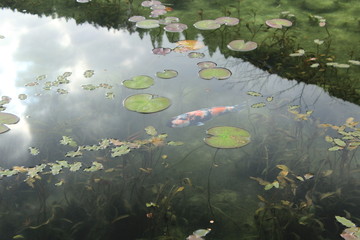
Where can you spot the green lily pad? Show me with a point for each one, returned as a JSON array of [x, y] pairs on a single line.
[[7, 118], [139, 82], [215, 72], [146, 103], [229, 21], [227, 137], [242, 46], [148, 23], [206, 64], [207, 25], [167, 74]]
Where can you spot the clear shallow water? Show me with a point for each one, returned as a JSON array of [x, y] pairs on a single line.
[[111, 203]]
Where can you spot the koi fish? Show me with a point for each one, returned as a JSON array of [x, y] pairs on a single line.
[[198, 117]]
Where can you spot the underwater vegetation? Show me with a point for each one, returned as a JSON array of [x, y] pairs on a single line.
[[272, 176]]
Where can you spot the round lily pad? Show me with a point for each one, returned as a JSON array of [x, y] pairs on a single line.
[[7, 118], [136, 18], [227, 137], [196, 55], [206, 64], [278, 23], [207, 25], [167, 74], [175, 27], [215, 72], [146, 103], [161, 51], [139, 82], [242, 46], [229, 21], [148, 23], [150, 3]]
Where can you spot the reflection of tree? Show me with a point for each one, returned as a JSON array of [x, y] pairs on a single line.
[[272, 54]]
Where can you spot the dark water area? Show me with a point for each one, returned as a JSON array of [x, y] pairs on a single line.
[[76, 163]]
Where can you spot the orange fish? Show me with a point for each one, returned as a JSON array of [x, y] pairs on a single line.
[[198, 117]]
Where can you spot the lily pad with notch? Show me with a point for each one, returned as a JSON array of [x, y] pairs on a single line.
[[175, 27], [167, 74], [242, 46], [206, 64], [219, 73], [7, 118], [139, 82], [228, 21], [227, 137], [146, 103], [207, 25]]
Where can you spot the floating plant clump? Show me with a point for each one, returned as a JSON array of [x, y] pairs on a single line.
[[228, 21], [242, 46], [215, 72], [207, 25], [227, 137], [139, 82], [146, 103], [136, 18], [175, 27], [148, 24], [7, 118], [278, 23], [167, 74]]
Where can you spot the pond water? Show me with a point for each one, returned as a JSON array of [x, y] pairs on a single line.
[[79, 165]]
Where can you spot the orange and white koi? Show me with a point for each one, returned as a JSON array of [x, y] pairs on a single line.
[[198, 117]]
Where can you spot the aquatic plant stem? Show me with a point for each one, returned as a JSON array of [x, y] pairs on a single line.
[[208, 184]]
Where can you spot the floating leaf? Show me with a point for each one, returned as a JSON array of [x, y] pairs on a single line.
[[167, 74], [119, 151], [345, 222], [96, 166], [161, 51], [196, 55], [354, 62], [188, 45], [175, 143], [34, 151], [169, 20], [110, 95], [73, 154], [7, 118], [258, 105], [269, 99], [150, 3], [175, 27], [254, 94], [298, 53], [215, 72], [335, 148], [242, 46], [68, 141], [146, 103], [148, 24], [339, 142], [139, 82], [89, 87], [150, 130], [22, 96], [207, 25], [278, 23], [201, 232], [136, 18], [75, 166], [229, 21], [88, 73], [61, 182], [206, 64], [227, 137]]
